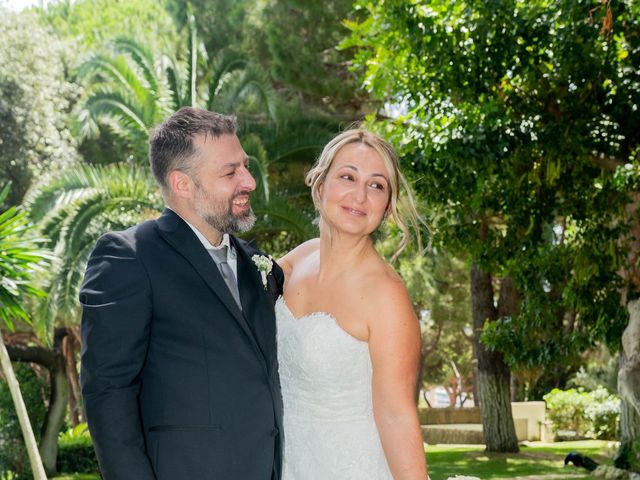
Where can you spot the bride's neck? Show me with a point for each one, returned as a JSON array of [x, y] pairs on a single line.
[[342, 253]]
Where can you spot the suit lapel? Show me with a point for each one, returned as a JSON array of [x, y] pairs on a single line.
[[179, 235], [255, 302]]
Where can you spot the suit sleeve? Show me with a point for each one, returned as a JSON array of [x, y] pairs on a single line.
[[116, 302], [278, 275], [275, 281]]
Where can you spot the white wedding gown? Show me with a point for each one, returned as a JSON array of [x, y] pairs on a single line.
[[329, 429]]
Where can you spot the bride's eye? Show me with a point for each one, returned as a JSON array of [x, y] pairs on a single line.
[[378, 186], [346, 176]]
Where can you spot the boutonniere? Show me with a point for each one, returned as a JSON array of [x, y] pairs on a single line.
[[264, 265]]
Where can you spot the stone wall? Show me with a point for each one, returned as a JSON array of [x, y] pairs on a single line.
[[464, 425]]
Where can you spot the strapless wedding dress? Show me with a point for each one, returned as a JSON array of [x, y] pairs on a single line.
[[329, 429]]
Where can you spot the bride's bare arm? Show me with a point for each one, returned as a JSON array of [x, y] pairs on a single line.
[[394, 345]]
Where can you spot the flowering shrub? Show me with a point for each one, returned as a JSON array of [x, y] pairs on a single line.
[[604, 414], [588, 414]]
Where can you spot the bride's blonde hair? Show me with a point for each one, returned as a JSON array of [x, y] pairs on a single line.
[[401, 206]]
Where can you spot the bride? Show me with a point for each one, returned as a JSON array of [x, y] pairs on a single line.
[[348, 338]]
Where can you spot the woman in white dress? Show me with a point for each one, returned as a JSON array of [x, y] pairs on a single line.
[[348, 338]]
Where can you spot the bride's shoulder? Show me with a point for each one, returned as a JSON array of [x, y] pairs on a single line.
[[288, 261], [388, 295]]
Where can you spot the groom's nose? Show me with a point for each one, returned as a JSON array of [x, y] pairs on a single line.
[[247, 182]]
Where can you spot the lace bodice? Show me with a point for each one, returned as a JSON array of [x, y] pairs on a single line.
[[329, 429]]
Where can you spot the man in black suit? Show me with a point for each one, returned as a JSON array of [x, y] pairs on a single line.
[[179, 367]]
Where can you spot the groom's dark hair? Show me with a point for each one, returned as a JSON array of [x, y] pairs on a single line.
[[171, 143]]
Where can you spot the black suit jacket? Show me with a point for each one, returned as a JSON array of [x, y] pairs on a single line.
[[177, 381]]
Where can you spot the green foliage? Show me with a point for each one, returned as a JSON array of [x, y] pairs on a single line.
[[76, 436], [598, 369], [79, 476], [13, 454], [130, 88], [234, 29], [294, 41], [92, 23], [75, 208], [124, 94], [35, 99], [75, 451], [21, 259], [604, 413], [589, 414], [448, 300], [301, 39], [518, 121]]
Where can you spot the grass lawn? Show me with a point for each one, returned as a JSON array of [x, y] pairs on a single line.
[[535, 460], [79, 476]]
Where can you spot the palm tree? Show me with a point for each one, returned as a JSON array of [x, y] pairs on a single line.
[[124, 94], [130, 90], [21, 258]]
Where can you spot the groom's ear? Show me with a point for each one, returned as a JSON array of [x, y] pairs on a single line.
[[181, 184]]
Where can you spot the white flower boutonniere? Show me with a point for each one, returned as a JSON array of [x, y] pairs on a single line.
[[264, 265]]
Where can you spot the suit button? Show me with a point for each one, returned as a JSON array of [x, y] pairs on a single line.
[[274, 432]]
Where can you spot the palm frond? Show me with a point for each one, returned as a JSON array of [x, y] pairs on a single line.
[[113, 104], [255, 83], [222, 66], [142, 57], [279, 214], [192, 58], [77, 207], [292, 138], [258, 164], [174, 76], [116, 71], [22, 257]]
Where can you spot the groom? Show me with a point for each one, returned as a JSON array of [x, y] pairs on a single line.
[[179, 368]]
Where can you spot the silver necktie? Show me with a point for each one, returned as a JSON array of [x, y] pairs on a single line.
[[220, 257]]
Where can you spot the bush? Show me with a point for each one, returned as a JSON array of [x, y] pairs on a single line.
[[14, 462], [75, 451], [566, 410], [604, 414], [587, 414]]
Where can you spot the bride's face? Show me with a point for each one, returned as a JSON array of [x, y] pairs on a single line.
[[355, 194]]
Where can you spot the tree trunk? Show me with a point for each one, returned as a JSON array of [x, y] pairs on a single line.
[[629, 389], [628, 455], [493, 373], [509, 306], [23, 416], [515, 388], [54, 361], [70, 345], [425, 351]]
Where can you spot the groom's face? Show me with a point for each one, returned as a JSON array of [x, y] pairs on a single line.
[[223, 184]]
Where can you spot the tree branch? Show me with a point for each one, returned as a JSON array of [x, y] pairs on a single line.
[[33, 354]]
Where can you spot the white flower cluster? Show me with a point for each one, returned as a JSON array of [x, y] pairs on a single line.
[[264, 265]]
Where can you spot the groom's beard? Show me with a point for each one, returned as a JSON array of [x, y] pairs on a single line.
[[220, 215]]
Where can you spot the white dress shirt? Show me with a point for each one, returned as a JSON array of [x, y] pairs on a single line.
[[232, 257]]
